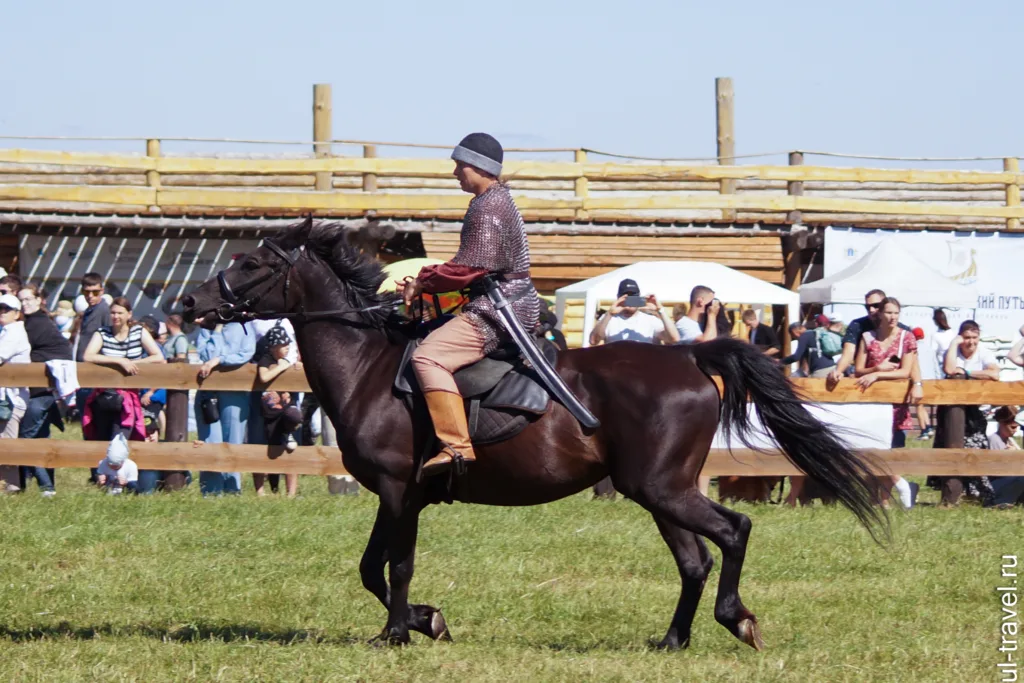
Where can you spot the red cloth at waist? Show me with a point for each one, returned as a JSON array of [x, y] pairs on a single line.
[[448, 277]]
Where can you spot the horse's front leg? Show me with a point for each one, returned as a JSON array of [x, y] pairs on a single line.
[[401, 558], [425, 619]]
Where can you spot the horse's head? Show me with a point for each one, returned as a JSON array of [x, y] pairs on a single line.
[[260, 283], [306, 270]]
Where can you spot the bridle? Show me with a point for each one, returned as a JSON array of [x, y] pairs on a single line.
[[240, 300]]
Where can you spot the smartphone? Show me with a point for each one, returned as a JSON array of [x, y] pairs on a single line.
[[634, 301], [894, 359]]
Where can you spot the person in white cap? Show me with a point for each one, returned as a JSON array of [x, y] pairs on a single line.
[[14, 348], [117, 471]]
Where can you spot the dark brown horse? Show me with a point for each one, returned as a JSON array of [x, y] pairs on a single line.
[[658, 407]]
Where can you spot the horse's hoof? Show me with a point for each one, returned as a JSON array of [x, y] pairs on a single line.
[[672, 644], [438, 627], [749, 632], [389, 638]]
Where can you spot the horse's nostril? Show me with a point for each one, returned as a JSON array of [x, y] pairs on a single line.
[[188, 301]]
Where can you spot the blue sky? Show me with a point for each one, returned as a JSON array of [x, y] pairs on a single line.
[[911, 78]]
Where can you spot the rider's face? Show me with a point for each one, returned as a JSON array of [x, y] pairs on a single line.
[[470, 179]]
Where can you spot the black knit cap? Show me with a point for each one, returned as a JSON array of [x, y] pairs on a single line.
[[482, 151]]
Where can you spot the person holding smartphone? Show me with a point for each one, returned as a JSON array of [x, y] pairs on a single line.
[[702, 301], [635, 318]]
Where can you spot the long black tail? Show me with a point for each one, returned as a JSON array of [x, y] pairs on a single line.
[[809, 444]]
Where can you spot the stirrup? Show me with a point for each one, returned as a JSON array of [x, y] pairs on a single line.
[[456, 462]]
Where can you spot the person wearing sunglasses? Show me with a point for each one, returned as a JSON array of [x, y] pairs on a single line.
[[10, 284], [95, 316], [856, 329]]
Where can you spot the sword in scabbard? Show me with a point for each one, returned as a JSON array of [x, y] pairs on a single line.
[[551, 379]]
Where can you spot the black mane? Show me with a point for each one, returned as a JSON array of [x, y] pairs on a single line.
[[360, 275]]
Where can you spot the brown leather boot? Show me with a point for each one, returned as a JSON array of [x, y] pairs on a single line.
[[449, 415]]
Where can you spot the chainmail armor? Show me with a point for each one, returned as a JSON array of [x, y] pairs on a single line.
[[494, 237]]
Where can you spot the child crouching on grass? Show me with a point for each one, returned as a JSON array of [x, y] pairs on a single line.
[[117, 471], [280, 414]]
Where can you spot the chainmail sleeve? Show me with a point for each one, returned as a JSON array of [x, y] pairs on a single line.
[[494, 238]]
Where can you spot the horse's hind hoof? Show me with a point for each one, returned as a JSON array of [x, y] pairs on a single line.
[[749, 632], [439, 628]]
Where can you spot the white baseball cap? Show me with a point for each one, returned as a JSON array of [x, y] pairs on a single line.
[[835, 318], [10, 301]]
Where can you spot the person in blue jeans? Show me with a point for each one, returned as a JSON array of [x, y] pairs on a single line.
[[47, 344], [226, 346]]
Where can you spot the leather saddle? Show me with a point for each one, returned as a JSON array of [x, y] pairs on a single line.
[[502, 392]]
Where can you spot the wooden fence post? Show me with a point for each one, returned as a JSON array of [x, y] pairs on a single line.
[[153, 177], [795, 188], [322, 132], [1012, 165], [177, 428], [369, 179], [581, 185], [726, 137]]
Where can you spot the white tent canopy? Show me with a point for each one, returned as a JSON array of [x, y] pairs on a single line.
[[672, 281], [895, 270]]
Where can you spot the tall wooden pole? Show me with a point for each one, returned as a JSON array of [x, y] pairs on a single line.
[[369, 179], [1012, 165], [726, 137], [581, 189], [795, 188], [153, 177], [322, 131]]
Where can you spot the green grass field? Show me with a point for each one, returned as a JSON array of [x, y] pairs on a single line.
[[174, 587]]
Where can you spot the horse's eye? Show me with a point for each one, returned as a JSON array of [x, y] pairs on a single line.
[[250, 264]]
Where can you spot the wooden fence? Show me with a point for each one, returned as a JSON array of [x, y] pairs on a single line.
[[323, 460], [578, 190]]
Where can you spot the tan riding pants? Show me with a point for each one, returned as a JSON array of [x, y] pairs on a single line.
[[454, 345]]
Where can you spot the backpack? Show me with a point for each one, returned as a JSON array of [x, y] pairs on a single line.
[[828, 342]]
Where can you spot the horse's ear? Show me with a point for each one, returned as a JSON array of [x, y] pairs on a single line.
[[302, 230]]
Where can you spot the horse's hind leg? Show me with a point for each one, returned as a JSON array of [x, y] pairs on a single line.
[[729, 531], [694, 562], [423, 619]]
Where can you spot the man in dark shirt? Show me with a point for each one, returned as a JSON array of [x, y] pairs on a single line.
[[872, 302], [94, 317], [97, 315], [761, 335]]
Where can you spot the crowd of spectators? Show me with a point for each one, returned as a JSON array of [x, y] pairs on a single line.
[[876, 347], [101, 329]]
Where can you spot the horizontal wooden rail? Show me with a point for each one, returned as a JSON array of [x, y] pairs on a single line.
[[322, 460], [358, 203], [534, 170], [183, 376]]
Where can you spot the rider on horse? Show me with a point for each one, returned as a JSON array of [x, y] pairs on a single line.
[[492, 242]]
